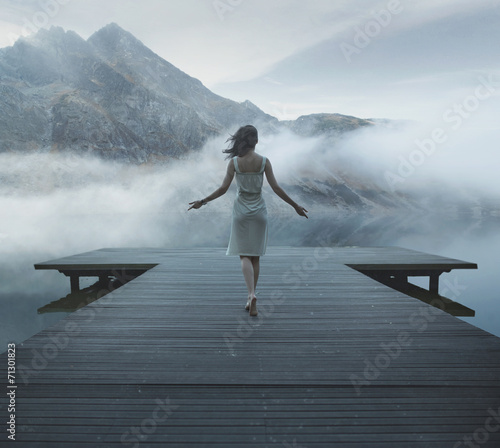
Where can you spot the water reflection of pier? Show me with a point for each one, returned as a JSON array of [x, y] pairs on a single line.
[[334, 358], [78, 298]]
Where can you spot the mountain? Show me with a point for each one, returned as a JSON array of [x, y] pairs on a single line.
[[325, 124], [113, 97], [109, 95]]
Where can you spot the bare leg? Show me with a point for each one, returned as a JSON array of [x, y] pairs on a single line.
[[256, 270], [249, 276]]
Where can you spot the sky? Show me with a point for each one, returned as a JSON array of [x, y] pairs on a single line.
[[397, 59]]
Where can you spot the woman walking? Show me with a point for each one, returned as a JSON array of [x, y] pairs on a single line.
[[249, 222]]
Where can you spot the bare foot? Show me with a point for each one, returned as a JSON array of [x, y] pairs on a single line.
[[253, 307]]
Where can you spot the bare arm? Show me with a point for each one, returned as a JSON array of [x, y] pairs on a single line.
[[220, 191], [280, 192]]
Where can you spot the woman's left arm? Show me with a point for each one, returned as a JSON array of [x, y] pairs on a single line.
[[220, 191]]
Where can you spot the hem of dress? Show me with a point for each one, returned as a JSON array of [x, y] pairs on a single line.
[[246, 255]]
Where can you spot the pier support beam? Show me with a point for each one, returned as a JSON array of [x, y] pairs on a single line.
[[75, 282], [106, 275], [434, 282], [398, 279]]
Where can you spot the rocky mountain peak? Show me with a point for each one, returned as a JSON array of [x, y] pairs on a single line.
[[55, 35], [114, 40], [109, 95]]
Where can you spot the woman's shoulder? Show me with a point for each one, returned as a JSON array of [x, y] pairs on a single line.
[[265, 160], [261, 158], [232, 164]]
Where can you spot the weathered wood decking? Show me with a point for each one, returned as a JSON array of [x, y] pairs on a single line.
[[333, 359]]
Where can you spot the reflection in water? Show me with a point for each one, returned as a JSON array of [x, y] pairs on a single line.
[[398, 280], [78, 299]]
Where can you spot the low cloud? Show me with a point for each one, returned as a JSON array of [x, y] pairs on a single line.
[[61, 204]]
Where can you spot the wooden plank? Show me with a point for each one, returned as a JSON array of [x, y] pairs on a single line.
[[357, 257], [333, 359]]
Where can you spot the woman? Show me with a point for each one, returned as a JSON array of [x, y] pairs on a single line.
[[249, 223]]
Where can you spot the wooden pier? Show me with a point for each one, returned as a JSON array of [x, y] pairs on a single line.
[[334, 358]]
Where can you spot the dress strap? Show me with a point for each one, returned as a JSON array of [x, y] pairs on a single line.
[[235, 159], [263, 165]]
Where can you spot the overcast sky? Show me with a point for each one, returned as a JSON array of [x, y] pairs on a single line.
[[368, 58]]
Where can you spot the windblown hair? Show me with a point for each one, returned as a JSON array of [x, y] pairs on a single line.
[[239, 141]]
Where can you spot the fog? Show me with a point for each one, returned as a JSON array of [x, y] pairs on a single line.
[[58, 204], [55, 205]]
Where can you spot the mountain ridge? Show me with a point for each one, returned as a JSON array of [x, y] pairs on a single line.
[[112, 96]]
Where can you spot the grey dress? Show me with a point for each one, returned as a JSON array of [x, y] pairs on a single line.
[[249, 221]]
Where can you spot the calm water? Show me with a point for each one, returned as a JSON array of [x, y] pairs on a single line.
[[23, 291]]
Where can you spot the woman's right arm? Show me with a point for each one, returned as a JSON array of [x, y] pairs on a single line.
[[220, 191], [280, 192]]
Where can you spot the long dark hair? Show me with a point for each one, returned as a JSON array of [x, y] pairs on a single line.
[[238, 142]]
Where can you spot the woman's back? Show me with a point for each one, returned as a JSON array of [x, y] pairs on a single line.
[[250, 163], [249, 178]]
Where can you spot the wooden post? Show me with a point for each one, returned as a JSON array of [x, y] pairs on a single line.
[[75, 282], [434, 283]]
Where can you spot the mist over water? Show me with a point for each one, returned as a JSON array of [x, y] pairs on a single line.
[[60, 204], [57, 203]]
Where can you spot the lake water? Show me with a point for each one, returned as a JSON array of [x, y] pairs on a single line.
[[23, 290]]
